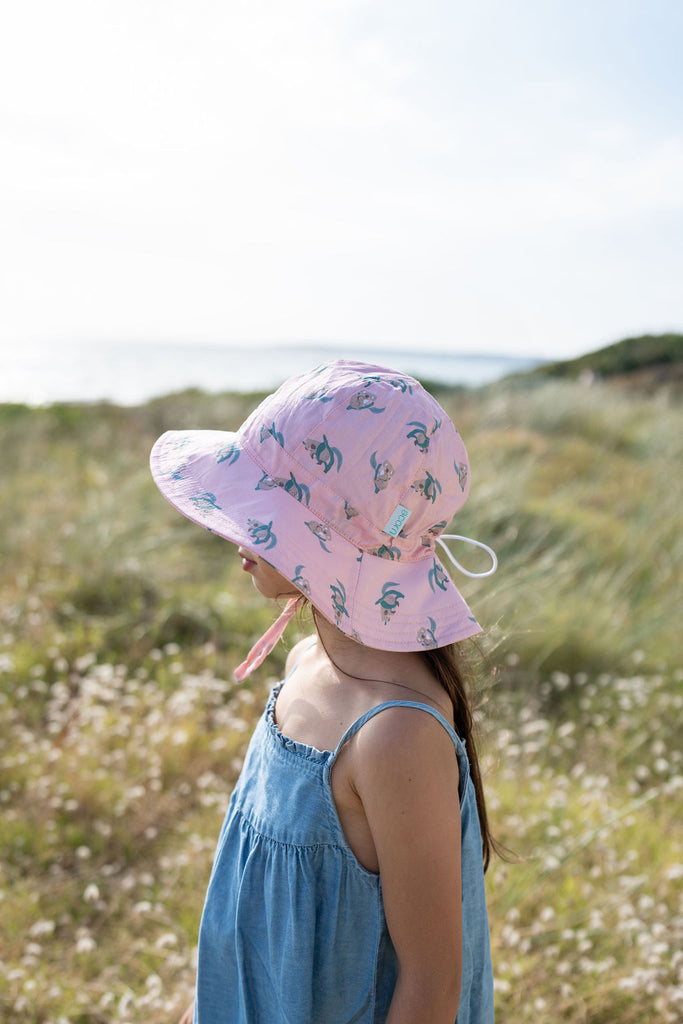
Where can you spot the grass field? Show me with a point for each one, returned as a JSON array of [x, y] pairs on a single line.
[[121, 731]]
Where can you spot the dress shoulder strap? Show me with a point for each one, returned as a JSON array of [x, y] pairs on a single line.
[[458, 743], [360, 722]]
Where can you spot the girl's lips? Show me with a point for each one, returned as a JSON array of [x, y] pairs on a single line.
[[247, 563]]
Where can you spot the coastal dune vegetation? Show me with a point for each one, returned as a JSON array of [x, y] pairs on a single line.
[[122, 730]]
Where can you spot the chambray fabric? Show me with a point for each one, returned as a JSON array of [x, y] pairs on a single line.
[[293, 929]]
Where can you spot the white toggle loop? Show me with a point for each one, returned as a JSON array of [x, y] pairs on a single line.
[[468, 540]]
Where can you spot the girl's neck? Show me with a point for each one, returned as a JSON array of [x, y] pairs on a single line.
[[348, 658]]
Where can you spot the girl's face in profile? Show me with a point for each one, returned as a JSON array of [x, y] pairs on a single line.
[[267, 580]]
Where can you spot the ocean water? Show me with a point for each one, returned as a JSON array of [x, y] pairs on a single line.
[[129, 374]]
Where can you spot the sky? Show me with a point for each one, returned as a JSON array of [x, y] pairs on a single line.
[[459, 175]]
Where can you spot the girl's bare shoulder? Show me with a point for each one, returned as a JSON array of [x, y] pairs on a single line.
[[405, 732]]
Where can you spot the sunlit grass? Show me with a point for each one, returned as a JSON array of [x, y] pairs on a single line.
[[588, 918], [122, 731]]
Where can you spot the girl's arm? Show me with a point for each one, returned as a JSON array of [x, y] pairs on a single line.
[[406, 776]]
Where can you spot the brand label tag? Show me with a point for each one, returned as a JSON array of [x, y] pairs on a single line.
[[397, 520]]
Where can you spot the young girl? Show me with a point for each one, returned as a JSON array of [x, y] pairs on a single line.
[[348, 882]]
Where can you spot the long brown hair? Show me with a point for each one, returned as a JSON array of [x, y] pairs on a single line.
[[448, 666]]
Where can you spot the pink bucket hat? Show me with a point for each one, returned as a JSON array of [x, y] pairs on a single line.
[[343, 480]]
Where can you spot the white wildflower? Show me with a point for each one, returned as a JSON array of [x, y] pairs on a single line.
[[41, 928], [86, 944], [125, 1004], [91, 894]]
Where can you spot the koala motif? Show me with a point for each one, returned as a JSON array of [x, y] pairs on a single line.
[[364, 400], [383, 472], [425, 636]]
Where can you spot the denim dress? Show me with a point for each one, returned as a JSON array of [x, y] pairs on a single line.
[[293, 929]]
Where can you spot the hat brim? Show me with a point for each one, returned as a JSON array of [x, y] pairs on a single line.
[[213, 479]]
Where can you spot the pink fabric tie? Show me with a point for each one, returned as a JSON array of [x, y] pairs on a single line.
[[264, 646]]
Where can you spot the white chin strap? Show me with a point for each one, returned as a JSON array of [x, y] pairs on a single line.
[[468, 540]]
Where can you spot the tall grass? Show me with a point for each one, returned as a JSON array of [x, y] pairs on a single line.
[[122, 732]]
